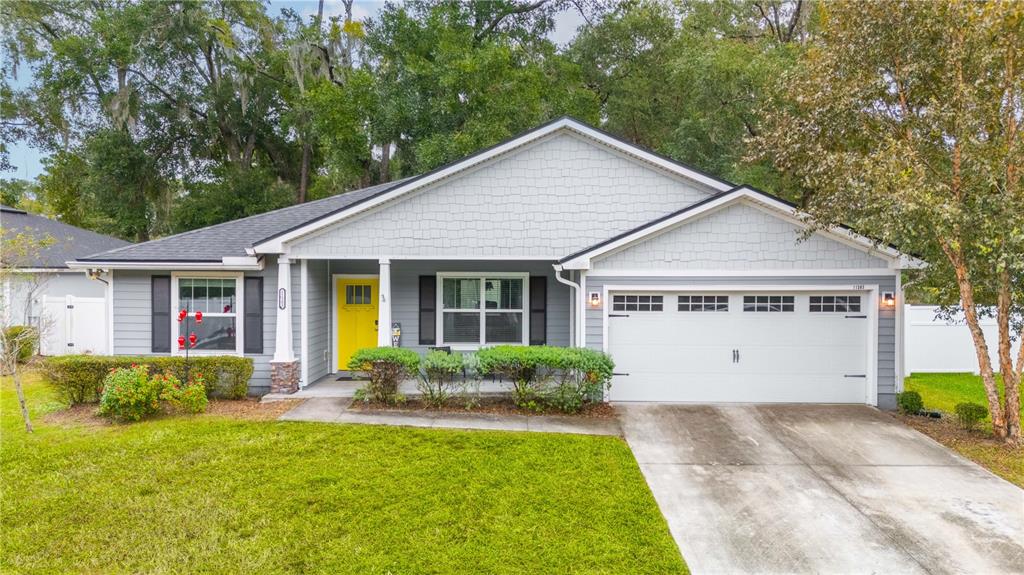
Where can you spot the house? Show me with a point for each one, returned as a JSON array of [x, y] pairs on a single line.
[[700, 289], [43, 276]]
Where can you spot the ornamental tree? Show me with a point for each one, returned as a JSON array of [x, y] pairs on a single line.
[[903, 120]]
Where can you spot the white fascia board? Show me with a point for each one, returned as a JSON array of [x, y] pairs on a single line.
[[277, 245], [757, 200], [226, 264]]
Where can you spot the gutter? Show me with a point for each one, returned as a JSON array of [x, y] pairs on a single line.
[[578, 295]]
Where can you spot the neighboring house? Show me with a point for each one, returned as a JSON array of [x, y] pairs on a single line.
[[701, 290], [42, 275]]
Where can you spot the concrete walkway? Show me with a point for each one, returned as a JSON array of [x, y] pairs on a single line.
[[335, 410], [820, 489]]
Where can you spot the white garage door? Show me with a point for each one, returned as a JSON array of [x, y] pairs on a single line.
[[747, 346]]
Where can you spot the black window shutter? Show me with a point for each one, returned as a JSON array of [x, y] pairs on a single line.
[[428, 310], [253, 315], [160, 338], [538, 310]]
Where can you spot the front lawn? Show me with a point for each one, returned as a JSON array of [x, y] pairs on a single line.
[[225, 495], [942, 391]]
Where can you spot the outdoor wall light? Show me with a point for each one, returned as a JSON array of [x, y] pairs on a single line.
[[595, 299], [888, 299]]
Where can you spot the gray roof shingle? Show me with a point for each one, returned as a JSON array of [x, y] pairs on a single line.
[[69, 242], [230, 239]]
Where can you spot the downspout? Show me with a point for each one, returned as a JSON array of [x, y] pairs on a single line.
[[576, 290]]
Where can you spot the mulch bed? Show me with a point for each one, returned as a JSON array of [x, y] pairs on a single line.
[[487, 405], [946, 431]]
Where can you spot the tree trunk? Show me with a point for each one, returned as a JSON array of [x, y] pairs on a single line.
[[980, 346], [304, 173], [1011, 378], [21, 397], [385, 162]]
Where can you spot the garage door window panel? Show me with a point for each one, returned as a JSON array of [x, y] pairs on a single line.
[[834, 303], [630, 302], [702, 302], [769, 303]]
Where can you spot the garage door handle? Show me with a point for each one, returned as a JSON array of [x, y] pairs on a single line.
[[856, 317], [618, 315], [849, 375], [620, 374]]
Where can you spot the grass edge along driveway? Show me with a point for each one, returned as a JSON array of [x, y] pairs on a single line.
[[214, 494], [942, 391]]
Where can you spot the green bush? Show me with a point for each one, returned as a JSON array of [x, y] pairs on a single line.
[[189, 397], [910, 402], [969, 415], [24, 337], [79, 378], [542, 377], [130, 394], [438, 376], [386, 368]]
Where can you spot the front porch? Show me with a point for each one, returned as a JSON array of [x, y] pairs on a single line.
[[327, 308]]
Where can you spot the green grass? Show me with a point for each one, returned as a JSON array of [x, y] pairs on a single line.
[[942, 391], [210, 494]]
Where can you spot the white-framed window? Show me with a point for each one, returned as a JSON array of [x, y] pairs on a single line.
[[769, 303], [219, 296], [483, 309], [629, 302], [834, 303], [703, 303]]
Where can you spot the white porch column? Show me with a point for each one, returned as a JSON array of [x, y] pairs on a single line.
[[283, 349], [384, 305]]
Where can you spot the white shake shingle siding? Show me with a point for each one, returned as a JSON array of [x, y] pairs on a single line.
[[547, 199]]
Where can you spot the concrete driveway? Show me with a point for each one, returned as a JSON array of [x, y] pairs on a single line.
[[820, 489]]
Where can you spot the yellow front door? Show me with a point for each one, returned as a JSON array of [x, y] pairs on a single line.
[[357, 316]]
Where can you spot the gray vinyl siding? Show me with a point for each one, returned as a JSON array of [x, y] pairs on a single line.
[[886, 368], [318, 318], [405, 292], [546, 199], [133, 317]]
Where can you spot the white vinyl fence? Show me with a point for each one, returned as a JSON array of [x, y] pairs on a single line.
[[75, 325], [934, 345]]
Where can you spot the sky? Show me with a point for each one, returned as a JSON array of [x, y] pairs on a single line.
[[28, 161]]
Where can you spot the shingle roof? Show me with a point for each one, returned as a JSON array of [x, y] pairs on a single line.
[[68, 242], [230, 239]]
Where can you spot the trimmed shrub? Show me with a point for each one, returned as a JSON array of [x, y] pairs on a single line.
[[437, 376], [129, 394], [79, 378], [386, 368], [542, 377], [189, 397], [969, 415], [25, 337], [910, 402]]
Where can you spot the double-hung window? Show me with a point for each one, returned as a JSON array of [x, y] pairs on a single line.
[[485, 309], [219, 298]]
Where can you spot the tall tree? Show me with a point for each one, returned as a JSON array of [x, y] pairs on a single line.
[[690, 79], [904, 119], [461, 76]]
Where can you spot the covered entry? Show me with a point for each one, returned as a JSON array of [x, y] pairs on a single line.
[[714, 345]]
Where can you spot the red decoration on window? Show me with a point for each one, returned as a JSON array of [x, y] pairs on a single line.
[[181, 342], [192, 339], [199, 317], [182, 315]]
